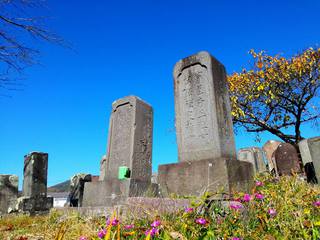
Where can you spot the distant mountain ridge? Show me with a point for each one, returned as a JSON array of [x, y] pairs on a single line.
[[60, 187]]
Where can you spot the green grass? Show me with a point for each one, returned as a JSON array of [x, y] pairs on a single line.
[[296, 216]]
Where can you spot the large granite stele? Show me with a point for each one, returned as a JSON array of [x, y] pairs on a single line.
[[206, 149], [8, 192], [130, 147]]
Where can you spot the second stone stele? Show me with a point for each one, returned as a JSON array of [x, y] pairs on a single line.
[[126, 170], [206, 149]]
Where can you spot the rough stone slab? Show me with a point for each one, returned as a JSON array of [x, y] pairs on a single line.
[[213, 175], [34, 205], [287, 159], [77, 187], [310, 153], [141, 205], [269, 148], [203, 113], [8, 192], [35, 175], [255, 156]]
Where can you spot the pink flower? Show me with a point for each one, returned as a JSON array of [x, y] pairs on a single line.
[[128, 227], [259, 196], [316, 203], [188, 210], [235, 205], [155, 224], [201, 221], [235, 238], [83, 238], [102, 233], [246, 198], [259, 183], [272, 212], [153, 231]]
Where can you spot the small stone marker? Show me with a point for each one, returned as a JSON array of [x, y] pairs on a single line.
[[269, 148], [8, 192], [206, 149], [129, 151], [35, 184], [77, 187], [255, 156], [310, 154], [287, 159]]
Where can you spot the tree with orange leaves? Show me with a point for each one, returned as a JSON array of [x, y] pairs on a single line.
[[277, 95]]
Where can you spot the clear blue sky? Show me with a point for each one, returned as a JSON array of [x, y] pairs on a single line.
[[129, 48]]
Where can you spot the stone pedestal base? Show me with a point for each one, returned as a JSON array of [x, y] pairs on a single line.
[[34, 205], [219, 175], [112, 192]]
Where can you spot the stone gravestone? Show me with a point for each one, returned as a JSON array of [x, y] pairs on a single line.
[[269, 148], [103, 168], [8, 192], [287, 159], [206, 149], [77, 187], [128, 164], [310, 154], [255, 156], [34, 193]]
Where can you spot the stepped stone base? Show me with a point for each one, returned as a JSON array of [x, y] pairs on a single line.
[[219, 175], [112, 192], [34, 205]]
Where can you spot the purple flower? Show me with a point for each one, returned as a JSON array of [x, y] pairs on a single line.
[[235, 205], [259, 183], [246, 197], [259, 196], [155, 224], [272, 212], [102, 233], [128, 227], [114, 222], [235, 238], [188, 210], [153, 231], [83, 238], [201, 221], [316, 203]]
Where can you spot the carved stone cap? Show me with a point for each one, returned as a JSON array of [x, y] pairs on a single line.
[[133, 100], [203, 58]]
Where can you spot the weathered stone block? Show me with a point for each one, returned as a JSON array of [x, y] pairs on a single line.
[[310, 154], [255, 156], [34, 205], [8, 192], [129, 146], [77, 187], [103, 168], [203, 114], [35, 175], [213, 175], [287, 159]]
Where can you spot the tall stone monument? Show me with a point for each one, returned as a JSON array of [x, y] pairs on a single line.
[[129, 156], [310, 154], [206, 149], [8, 192], [255, 156], [34, 193]]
